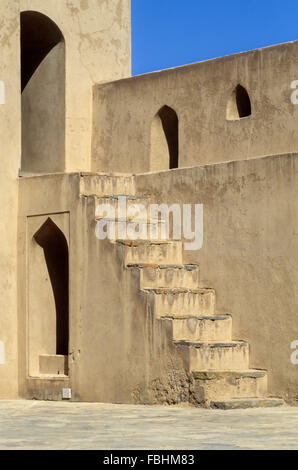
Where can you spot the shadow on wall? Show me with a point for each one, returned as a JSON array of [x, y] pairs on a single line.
[[164, 153], [43, 94]]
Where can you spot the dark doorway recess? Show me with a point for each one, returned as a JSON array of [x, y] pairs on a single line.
[[170, 126], [243, 102], [239, 104]]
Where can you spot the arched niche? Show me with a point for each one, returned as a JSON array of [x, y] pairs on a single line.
[[239, 105], [53, 242], [48, 294], [43, 94], [164, 151]]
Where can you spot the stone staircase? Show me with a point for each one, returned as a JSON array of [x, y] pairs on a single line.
[[218, 365]]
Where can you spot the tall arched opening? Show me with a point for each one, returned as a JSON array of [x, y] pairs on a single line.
[[43, 94]]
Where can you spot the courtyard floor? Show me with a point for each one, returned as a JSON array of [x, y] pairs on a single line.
[[61, 425]]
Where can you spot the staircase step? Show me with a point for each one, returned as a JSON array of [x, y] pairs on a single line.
[[228, 384], [131, 201], [240, 403], [201, 328], [147, 251], [123, 208], [131, 228], [214, 355], [100, 184], [168, 276], [179, 303]]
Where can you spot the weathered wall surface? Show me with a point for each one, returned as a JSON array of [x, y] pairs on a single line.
[[118, 353], [98, 48], [125, 356], [199, 93], [54, 196], [250, 251], [10, 152]]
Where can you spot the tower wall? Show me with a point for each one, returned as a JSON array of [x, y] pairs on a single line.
[[97, 47], [10, 152], [97, 38]]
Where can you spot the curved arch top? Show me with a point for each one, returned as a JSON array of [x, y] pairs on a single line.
[[165, 139], [43, 94], [239, 104], [39, 34]]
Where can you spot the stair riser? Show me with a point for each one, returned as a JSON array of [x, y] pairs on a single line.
[[193, 329], [169, 278], [219, 358], [130, 230], [104, 185], [243, 403], [130, 205], [153, 254], [182, 304], [229, 387]]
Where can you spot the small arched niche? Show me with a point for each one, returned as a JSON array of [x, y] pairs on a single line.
[[239, 105], [164, 152], [43, 94]]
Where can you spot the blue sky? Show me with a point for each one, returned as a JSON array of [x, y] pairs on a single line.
[[169, 33]]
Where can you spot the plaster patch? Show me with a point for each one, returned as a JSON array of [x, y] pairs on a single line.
[[2, 92], [2, 353]]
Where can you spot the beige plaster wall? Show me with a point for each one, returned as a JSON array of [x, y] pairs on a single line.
[[199, 93], [57, 197], [118, 353], [10, 152], [98, 48], [43, 116], [249, 253]]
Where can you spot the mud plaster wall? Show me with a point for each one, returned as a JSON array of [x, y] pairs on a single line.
[[249, 253], [123, 111], [10, 152]]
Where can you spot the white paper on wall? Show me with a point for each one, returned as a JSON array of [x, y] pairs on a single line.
[[2, 92]]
